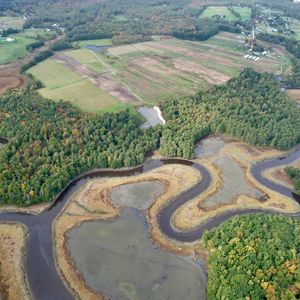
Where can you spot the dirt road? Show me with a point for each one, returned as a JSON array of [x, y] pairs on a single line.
[[104, 81]]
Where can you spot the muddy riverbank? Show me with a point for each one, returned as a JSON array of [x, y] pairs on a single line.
[[45, 281]]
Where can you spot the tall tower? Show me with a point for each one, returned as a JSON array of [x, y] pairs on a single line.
[[253, 38]]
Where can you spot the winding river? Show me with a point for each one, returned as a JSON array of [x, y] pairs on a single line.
[[40, 265]]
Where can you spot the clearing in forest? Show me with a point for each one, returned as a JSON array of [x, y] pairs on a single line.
[[11, 22], [234, 13]]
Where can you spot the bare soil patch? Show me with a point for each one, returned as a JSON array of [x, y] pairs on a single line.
[[201, 55], [207, 74], [10, 78], [294, 94]]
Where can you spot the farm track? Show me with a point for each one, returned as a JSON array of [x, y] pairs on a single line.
[[104, 81]]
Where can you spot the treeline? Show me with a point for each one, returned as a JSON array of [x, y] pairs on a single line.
[[291, 45], [51, 143], [208, 29], [250, 107], [38, 58], [254, 257], [294, 174], [130, 39], [61, 45], [293, 80], [31, 47]]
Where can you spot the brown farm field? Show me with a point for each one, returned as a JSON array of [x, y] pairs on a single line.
[[156, 70], [151, 72]]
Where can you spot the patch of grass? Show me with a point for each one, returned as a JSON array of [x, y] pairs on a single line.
[[101, 42], [11, 51], [120, 107], [221, 11], [295, 26], [245, 12], [87, 58], [53, 74], [120, 18], [37, 33], [63, 84], [11, 22]]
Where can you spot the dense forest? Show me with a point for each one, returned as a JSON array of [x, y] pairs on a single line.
[[250, 107], [50, 143], [254, 257], [294, 174]]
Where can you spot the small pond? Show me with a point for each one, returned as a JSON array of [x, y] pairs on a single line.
[[138, 195], [97, 48], [151, 115]]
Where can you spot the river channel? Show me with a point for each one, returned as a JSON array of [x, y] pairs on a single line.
[[44, 280]]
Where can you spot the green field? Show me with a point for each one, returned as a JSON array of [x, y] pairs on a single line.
[[61, 83], [101, 42], [11, 22], [295, 26], [87, 58], [245, 12], [10, 51], [223, 11], [38, 33]]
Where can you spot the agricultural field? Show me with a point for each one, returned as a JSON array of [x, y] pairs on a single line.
[[11, 22], [295, 26], [224, 12], [88, 59], [62, 83], [15, 48], [158, 70], [149, 72], [38, 33], [100, 42]]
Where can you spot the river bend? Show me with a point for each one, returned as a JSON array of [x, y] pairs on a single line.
[[40, 265]]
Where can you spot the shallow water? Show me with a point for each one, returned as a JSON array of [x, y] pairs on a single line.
[[97, 48], [151, 116], [118, 259], [138, 195], [209, 146], [235, 182]]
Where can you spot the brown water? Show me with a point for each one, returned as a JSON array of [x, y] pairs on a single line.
[[117, 258]]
